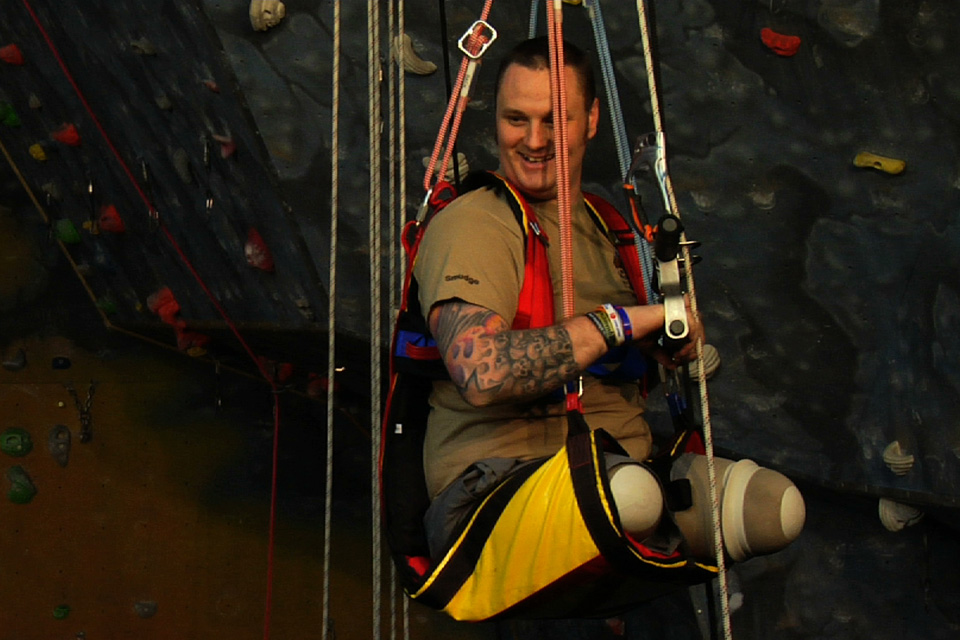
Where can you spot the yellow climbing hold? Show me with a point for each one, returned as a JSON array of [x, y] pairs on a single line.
[[869, 160], [37, 152], [573, 2]]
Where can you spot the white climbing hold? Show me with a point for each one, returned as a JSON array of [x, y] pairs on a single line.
[[266, 13], [403, 50], [462, 166], [897, 516], [895, 458], [711, 362]]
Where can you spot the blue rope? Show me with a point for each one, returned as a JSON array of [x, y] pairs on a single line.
[[619, 129], [534, 8]]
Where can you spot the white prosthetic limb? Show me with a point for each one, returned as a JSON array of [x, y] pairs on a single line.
[[761, 511], [639, 500]]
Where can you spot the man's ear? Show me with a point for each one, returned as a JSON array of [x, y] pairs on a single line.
[[593, 119]]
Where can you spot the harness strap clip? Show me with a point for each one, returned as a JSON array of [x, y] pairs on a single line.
[[483, 39]]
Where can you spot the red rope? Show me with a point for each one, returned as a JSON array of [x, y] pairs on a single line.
[[261, 366], [476, 40]]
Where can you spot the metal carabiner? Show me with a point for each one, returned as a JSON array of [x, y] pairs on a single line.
[[484, 44]]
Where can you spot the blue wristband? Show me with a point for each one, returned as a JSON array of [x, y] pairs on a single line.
[[625, 320]]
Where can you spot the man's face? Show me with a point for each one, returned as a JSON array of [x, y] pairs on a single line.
[[525, 130]]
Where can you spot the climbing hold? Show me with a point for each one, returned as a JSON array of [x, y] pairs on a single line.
[[181, 162], [107, 305], [34, 102], [37, 152], [11, 54], [15, 442], [61, 612], [711, 362], [15, 360], [52, 191], [143, 47], [145, 608], [67, 134], [896, 516], [61, 363], [404, 52], [22, 488], [163, 101], [227, 145], [58, 444], [780, 44], [869, 160], [165, 305], [110, 220], [896, 459], [66, 232], [256, 251], [463, 167], [212, 85], [8, 115], [266, 13]]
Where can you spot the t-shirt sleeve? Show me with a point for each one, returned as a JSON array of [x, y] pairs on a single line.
[[473, 250]]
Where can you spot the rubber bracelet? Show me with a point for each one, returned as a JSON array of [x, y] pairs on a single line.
[[625, 320], [604, 327], [611, 312]]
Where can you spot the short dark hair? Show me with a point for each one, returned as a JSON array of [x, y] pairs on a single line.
[[535, 54]]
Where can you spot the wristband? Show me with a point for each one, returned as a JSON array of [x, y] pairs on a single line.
[[604, 327], [611, 313], [627, 326], [609, 324]]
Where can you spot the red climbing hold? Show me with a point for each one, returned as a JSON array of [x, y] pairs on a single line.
[[212, 85], [780, 44], [227, 146], [68, 135], [256, 251], [110, 220], [166, 306], [11, 54]]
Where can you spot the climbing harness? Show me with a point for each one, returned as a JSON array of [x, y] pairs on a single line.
[[477, 577]]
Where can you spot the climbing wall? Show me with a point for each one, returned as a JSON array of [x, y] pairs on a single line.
[[130, 131]]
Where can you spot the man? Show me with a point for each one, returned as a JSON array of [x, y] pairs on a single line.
[[497, 412]]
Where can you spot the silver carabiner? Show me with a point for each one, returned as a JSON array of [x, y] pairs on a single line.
[[462, 43]]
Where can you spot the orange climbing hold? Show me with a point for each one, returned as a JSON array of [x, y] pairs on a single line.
[[164, 304], [68, 135], [110, 220], [11, 54], [256, 251], [780, 44]]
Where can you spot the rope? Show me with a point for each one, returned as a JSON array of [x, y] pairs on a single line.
[[398, 199], [619, 128], [332, 318], [375, 122], [558, 93], [671, 201], [534, 9], [457, 104], [260, 364]]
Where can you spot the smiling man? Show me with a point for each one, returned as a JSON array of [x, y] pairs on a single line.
[[499, 410]]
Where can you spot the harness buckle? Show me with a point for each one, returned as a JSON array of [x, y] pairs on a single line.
[[483, 39]]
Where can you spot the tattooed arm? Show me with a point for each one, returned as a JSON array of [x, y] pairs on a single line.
[[491, 363]]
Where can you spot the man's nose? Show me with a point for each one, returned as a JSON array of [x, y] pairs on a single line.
[[538, 136]]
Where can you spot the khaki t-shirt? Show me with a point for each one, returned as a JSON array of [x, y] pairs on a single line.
[[473, 250]]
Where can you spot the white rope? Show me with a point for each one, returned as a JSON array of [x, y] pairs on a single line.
[[671, 198], [332, 319], [376, 339]]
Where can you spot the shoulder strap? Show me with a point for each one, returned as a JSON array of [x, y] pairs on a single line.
[[608, 218]]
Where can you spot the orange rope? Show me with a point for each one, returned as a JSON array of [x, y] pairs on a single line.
[[457, 104], [561, 146]]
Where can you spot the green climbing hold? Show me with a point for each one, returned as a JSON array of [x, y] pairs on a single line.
[[66, 231], [22, 489], [107, 305], [15, 442], [61, 612], [8, 115]]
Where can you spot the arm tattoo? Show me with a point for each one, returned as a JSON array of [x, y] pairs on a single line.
[[492, 363]]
